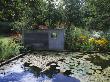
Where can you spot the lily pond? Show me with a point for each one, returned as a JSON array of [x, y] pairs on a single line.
[[58, 67]]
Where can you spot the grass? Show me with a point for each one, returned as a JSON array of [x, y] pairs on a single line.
[[4, 39]]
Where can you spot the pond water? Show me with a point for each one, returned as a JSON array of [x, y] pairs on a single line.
[[58, 67], [24, 73]]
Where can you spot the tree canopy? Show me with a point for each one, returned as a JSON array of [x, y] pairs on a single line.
[[93, 14]]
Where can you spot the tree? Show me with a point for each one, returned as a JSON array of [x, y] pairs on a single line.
[[98, 14], [73, 12], [33, 13], [54, 15], [9, 10]]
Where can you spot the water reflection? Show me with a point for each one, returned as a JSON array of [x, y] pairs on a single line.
[[26, 73], [62, 78]]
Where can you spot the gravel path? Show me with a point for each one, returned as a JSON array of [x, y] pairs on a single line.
[[81, 65]]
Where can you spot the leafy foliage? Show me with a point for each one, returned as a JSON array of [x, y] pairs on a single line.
[[97, 14], [73, 12], [79, 39], [75, 37], [93, 14], [8, 48]]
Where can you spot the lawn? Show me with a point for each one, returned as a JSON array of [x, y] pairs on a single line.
[[4, 39]]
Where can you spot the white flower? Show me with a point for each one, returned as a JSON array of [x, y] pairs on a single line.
[[96, 35]]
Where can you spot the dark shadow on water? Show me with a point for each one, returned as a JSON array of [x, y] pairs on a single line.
[[35, 70]]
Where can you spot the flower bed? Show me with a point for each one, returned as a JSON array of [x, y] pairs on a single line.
[[83, 40]]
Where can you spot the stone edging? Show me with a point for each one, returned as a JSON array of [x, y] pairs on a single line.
[[13, 58]]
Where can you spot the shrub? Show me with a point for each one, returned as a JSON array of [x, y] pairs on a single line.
[[71, 38], [107, 36], [79, 39], [87, 46], [8, 49], [75, 37]]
